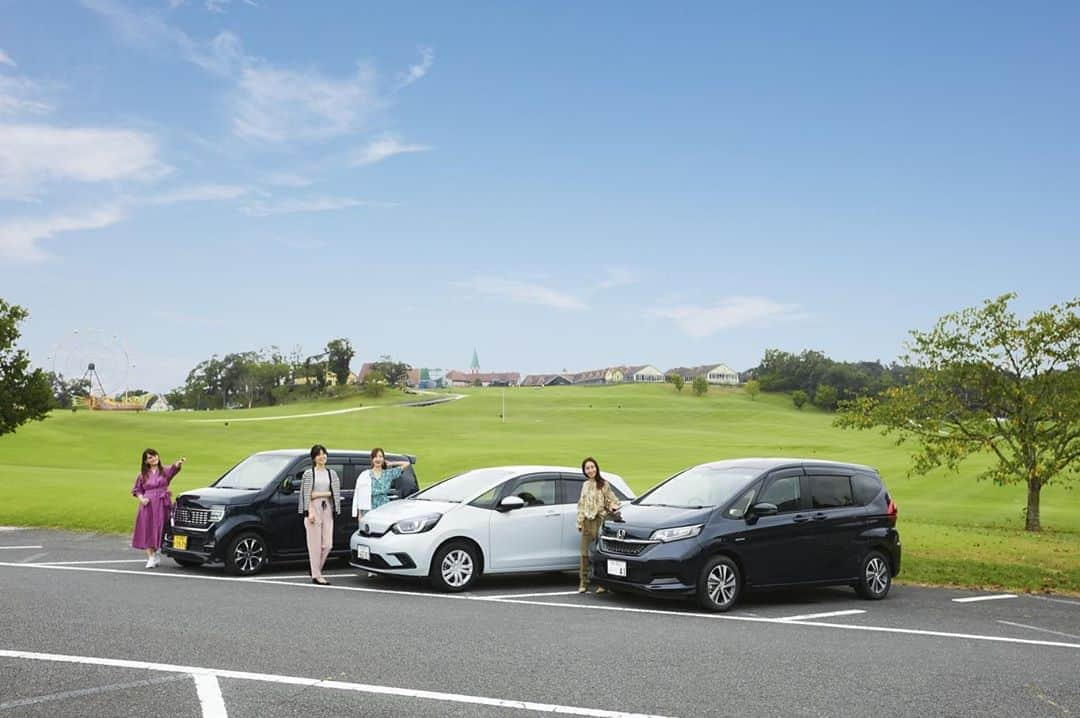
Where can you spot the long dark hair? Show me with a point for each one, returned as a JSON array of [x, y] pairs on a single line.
[[599, 477], [315, 451], [371, 456], [146, 454]]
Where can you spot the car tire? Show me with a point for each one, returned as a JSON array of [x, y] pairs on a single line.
[[875, 577], [455, 567], [247, 554], [187, 562], [719, 585]]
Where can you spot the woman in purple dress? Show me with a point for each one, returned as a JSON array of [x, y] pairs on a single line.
[[152, 490]]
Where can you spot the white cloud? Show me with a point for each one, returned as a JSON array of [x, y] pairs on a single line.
[[286, 179], [32, 155], [200, 193], [173, 4], [308, 204], [217, 6], [18, 97], [523, 292], [384, 147], [617, 277], [19, 237], [729, 313], [417, 71], [5, 59], [276, 105]]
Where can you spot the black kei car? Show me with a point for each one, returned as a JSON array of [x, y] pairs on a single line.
[[716, 529], [248, 518]]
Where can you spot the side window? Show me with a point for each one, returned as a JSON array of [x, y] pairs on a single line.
[[830, 492], [737, 510], [784, 492], [348, 478], [535, 490], [866, 487], [487, 499], [572, 489]]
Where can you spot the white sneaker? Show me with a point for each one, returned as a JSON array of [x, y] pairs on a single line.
[[157, 560], [150, 563]]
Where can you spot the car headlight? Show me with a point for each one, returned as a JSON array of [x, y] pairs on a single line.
[[677, 533], [417, 525], [217, 513]]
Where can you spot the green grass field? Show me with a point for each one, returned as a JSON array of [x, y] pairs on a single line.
[[76, 470]]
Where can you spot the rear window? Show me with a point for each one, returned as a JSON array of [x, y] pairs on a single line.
[[866, 488], [830, 492]]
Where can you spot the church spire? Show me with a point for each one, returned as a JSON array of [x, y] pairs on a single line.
[[475, 366]]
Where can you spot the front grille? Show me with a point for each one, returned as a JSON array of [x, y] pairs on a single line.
[[367, 533], [197, 518], [624, 548]]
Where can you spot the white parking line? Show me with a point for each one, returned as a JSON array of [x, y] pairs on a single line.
[[556, 604], [80, 563], [830, 614], [215, 673], [66, 695], [529, 595], [17, 548], [1036, 628], [973, 599], [210, 698], [299, 575], [1055, 600]]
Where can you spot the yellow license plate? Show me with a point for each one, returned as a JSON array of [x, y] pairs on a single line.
[[179, 543]]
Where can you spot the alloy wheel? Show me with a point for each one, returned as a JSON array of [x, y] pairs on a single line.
[[457, 568], [248, 555], [722, 584], [877, 575]]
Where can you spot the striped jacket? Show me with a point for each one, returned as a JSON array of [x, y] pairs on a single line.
[[305, 490]]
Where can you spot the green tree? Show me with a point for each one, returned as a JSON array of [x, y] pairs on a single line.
[[799, 397], [677, 381], [700, 386], [753, 388], [396, 373], [340, 354], [374, 383], [826, 397], [25, 394], [984, 381]]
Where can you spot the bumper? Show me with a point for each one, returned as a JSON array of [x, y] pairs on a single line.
[[394, 554], [669, 569], [200, 546]]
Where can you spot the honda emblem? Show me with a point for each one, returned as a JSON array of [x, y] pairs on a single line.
[[621, 534]]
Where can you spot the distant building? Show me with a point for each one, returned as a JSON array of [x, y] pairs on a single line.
[[713, 373], [546, 380], [643, 374], [593, 376], [460, 378]]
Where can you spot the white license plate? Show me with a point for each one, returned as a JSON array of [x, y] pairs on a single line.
[[616, 568], [363, 553]]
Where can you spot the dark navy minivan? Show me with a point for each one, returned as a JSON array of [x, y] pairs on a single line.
[[717, 529], [248, 518]]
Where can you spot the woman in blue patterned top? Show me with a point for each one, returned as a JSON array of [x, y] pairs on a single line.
[[373, 486]]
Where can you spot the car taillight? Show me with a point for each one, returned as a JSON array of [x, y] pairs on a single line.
[[892, 511]]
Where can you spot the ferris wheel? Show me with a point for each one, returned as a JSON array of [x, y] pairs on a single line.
[[96, 356]]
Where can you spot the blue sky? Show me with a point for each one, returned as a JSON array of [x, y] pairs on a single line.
[[560, 186]]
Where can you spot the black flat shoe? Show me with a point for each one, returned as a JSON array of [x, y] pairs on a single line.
[[317, 582]]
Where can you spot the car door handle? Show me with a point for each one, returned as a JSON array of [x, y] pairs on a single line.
[[552, 513], [799, 518], [819, 516]]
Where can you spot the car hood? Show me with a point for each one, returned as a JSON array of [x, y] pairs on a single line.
[[640, 521], [210, 496], [381, 519]]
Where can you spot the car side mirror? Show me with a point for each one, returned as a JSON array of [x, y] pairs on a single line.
[[289, 485], [763, 509], [511, 502]]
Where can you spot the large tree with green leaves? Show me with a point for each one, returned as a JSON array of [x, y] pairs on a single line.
[[25, 393], [340, 353], [985, 381]]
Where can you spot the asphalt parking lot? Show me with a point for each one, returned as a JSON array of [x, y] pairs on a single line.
[[88, 631]]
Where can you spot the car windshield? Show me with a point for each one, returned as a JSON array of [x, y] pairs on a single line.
[[464, 487], [699, 487], [254, 472]]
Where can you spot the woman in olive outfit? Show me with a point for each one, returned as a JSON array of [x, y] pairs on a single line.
[[597, 500]]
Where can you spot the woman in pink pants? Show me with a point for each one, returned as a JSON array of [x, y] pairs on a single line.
[[152, 490], [320, 499]]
